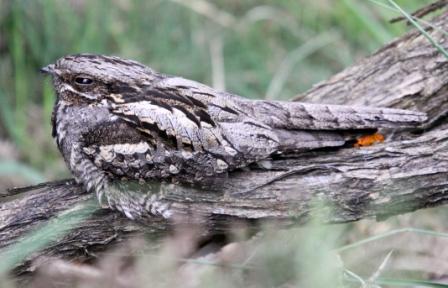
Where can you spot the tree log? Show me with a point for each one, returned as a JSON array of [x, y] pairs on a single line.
[[407, 172]]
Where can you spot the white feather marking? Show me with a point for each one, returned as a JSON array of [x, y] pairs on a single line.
[[184, 119], [127, 148], [106, 153], [187, 154], [174, 169], [89, 150], [230, 150], [191, 85], [179, 81], [67, 87], [221, 165]]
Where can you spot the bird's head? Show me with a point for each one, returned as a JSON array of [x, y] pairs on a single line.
[[89, 78]]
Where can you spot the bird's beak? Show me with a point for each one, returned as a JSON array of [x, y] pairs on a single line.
[[49, 69]]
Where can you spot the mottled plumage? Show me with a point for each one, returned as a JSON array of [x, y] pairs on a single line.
[[117, 118]]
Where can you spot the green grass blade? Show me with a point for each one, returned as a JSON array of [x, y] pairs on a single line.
[[8, 168], [426, 23], [293, 58], [8, 117], [44, 235], [408, 283], [392, 233], [20, 70], [420, 28], [381, 34]]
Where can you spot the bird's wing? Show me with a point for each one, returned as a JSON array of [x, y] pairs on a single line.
[[189, 115], [170, 116]]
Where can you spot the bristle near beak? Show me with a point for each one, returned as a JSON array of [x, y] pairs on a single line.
[[49, 69]]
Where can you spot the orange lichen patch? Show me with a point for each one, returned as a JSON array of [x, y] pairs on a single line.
[[369, 140]]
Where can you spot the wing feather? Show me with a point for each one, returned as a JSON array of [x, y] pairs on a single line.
[[157, 119]]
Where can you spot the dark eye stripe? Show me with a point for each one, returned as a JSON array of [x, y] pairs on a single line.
[[83, 81]]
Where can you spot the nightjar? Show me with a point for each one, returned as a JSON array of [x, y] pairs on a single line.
[[118, 119]]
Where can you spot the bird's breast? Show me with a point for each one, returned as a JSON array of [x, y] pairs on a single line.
[[71, 123]]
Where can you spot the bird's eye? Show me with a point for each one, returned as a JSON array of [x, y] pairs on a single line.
[[83, 81]]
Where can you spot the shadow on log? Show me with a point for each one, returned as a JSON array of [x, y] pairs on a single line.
[[407, 172]]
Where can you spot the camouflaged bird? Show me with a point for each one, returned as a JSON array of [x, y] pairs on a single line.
[[116, 118]]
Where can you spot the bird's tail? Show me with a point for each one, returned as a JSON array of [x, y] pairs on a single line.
[[296, 115]]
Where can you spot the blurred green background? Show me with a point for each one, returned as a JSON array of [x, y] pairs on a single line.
[[255, 48]]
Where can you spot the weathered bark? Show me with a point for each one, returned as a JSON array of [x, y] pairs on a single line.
[[407, 172]]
